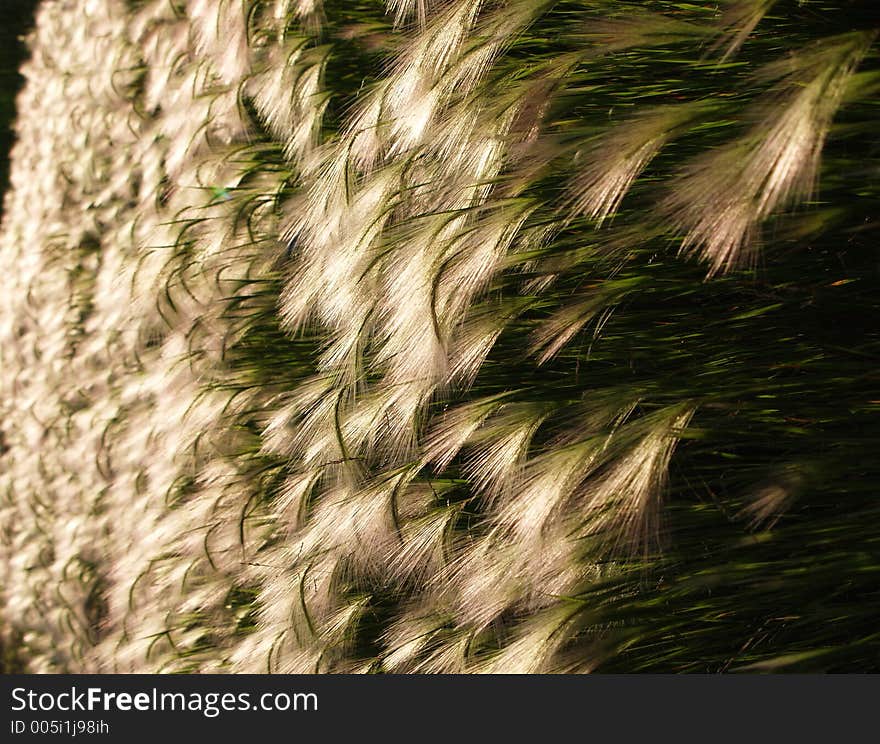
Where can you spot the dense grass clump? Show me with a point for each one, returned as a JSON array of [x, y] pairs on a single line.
[[504, 336]]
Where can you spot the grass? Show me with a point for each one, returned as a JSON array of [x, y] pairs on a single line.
[[528, 338]]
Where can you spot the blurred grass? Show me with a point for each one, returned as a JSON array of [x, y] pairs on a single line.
[[16, 17]]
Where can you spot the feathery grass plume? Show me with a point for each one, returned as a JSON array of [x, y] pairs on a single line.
[[739, 19], [723, 195], [367, 338], [624, 505], [613, 163], [404, 9], [310, 14]]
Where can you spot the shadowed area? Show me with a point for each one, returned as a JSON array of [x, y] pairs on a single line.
[[16, 17]]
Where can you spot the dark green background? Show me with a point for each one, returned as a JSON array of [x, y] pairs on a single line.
[[16, 17]]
